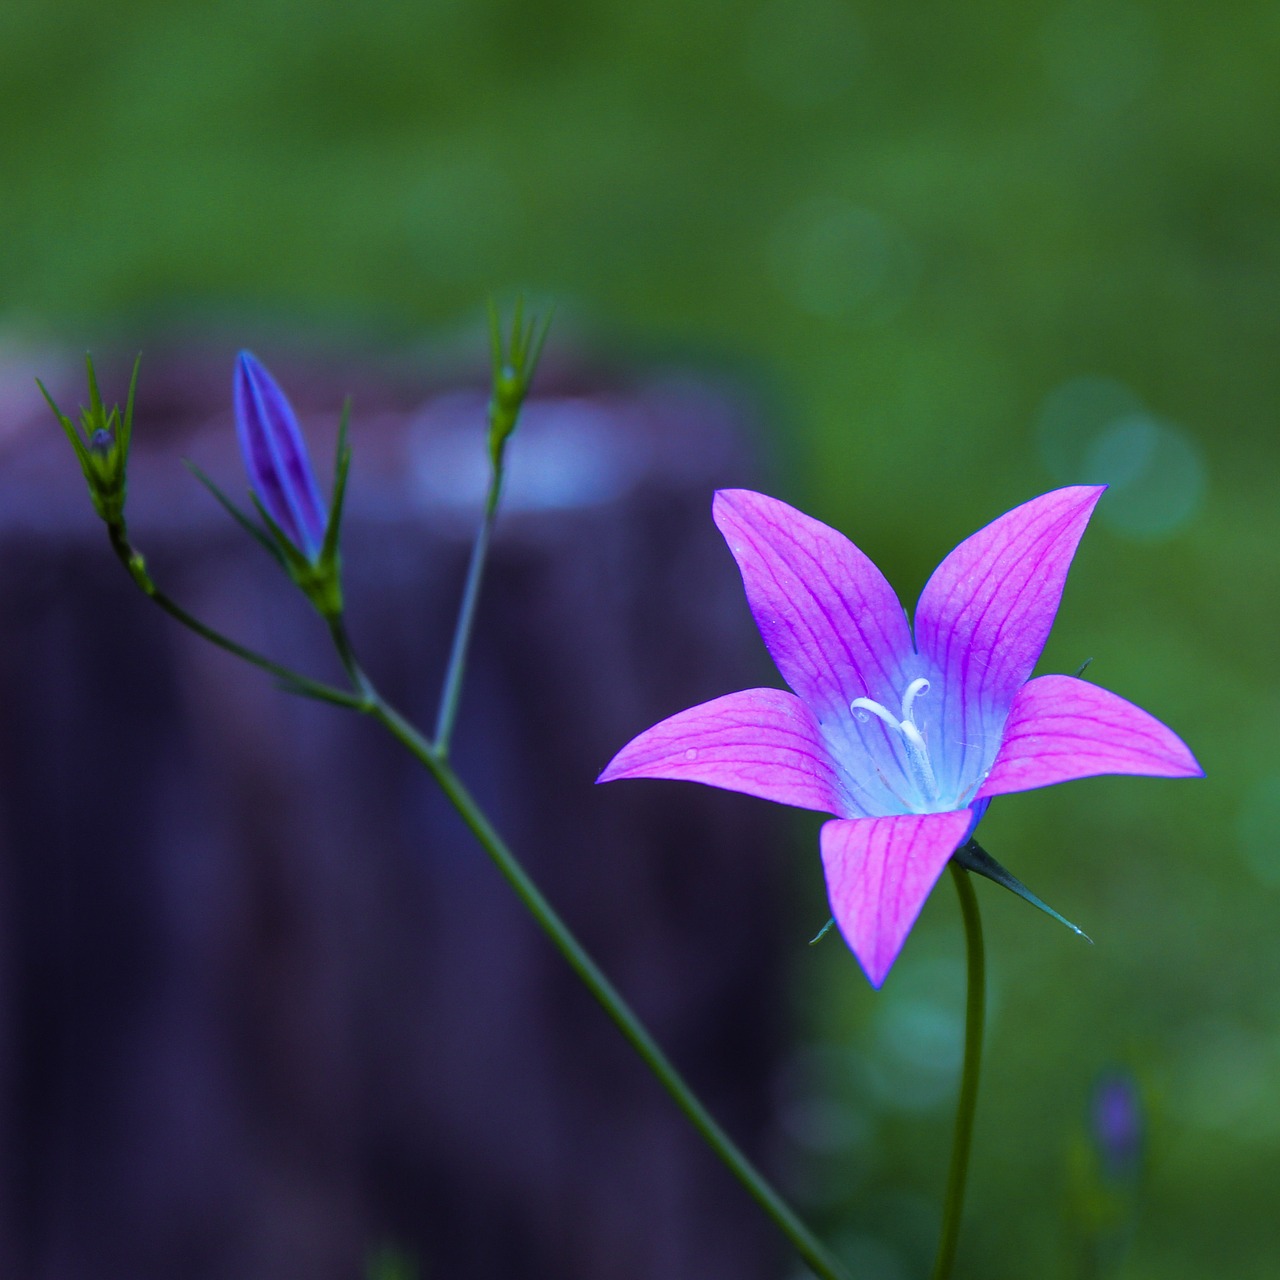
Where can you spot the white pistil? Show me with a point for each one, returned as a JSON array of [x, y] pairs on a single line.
[[917, 687], [907, 730], [876, 709]]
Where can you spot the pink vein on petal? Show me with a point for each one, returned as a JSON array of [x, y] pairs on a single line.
[[764, 742], [991, 603], [829, 618], [879, 872], [1061, 728]]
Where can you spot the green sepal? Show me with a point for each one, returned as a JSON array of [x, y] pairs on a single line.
[[82, 453], [822, 933], [973, 857], [319, 580], [126, 426], [240, 517], [341, 467]]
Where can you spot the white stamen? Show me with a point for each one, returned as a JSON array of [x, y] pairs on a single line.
[[876, 708], [907, 730], [914, 690], [919, 754]]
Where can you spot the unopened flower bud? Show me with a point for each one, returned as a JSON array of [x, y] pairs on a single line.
[[301, 533], [275, 455]]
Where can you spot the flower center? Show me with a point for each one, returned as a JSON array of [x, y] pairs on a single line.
[[907, 730]]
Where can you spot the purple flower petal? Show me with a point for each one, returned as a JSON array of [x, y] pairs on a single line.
[[879, 872], [983, 618], [764, 742], [275, 456], [828, 617], [1062, 728]]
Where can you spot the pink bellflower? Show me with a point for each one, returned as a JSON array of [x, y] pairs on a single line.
[[904, 741]]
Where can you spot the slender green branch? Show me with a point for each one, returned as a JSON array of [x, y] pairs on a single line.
[[451, 693], [974, 1017], [368, 695], [293, 681], [514, 362], [805, 1243]]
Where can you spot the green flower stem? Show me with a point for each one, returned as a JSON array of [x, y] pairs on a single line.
[[806, 1244], [367, 699], [515, 361], [435, 757], [451, 692], [294, 681], [975, 1015]]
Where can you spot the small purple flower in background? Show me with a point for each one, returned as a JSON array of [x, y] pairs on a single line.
[[275, 456], [1116, 1124], [905, 742]]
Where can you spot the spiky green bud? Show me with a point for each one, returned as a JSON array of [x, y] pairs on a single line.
[[101, 442], [515, 360]]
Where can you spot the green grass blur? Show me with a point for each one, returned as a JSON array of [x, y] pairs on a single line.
[[975, 251]]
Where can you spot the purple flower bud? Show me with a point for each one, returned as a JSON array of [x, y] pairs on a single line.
[[275, 456], [1116, 1123]]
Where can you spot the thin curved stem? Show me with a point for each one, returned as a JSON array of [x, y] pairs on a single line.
[[367, 694], [974, 1017], [451, 693], [814, 1253], [515, 360], [293, 681]]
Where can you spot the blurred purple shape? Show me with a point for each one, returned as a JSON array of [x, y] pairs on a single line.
[[1116, 1123]]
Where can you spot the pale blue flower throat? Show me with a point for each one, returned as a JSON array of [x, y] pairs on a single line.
[[907, 730]]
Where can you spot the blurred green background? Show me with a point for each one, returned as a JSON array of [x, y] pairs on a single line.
[[973, 252]]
